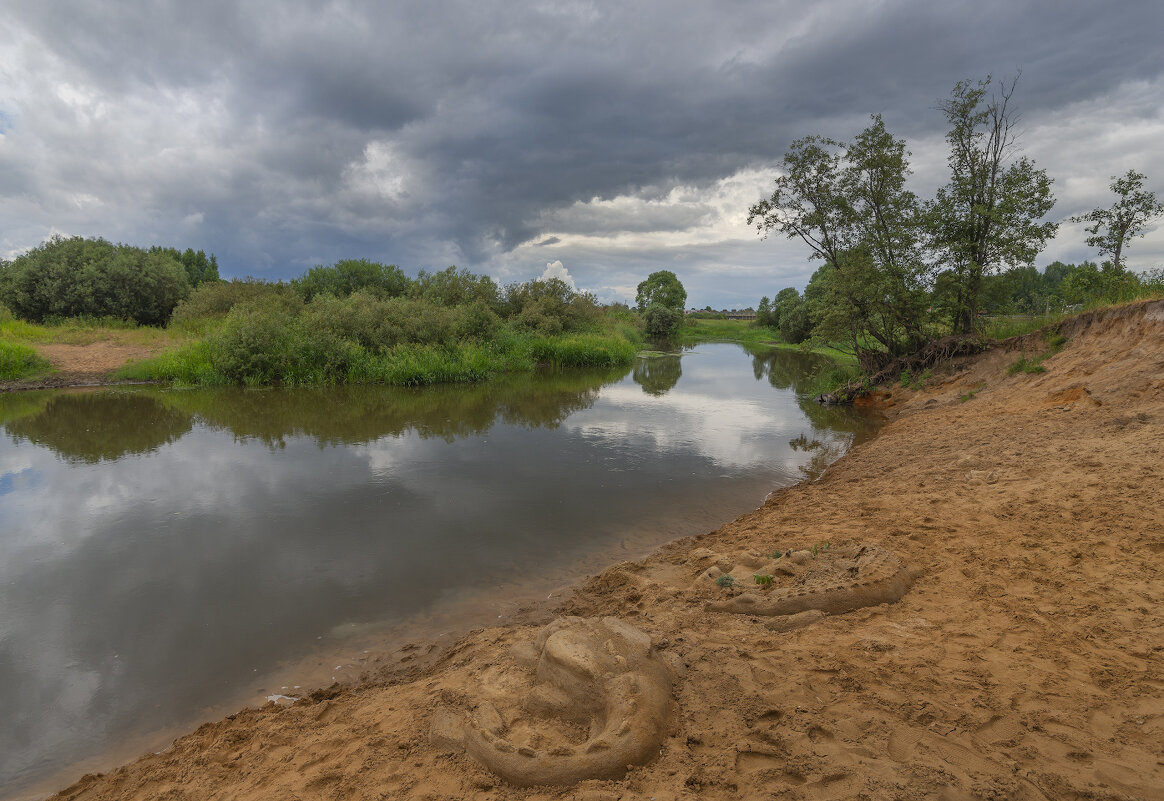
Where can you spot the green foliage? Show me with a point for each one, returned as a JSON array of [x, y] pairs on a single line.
[[1111, 229], [92, 277], [583, 350], [1026, 365], [910, 381], [352, 275], [453, 287], [661, 288], [849, 205], [262, 344], [363, 338], [550, 307], [988, 216], [199, 267], [215, 299], [661, 321], [19, 361], [764, 313], [790, 315], [761, 579], [725, 581]]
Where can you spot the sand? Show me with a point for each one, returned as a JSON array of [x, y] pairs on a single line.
[[1025, 660]]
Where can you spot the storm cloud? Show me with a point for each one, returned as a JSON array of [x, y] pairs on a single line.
[[499, 136]]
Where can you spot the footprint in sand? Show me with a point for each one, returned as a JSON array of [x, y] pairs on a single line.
[[600, 702]]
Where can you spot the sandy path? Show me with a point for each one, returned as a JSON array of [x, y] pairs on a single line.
[[1026, 663], [82, 365]]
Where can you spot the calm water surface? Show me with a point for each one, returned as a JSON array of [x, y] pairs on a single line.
[[161, 549]]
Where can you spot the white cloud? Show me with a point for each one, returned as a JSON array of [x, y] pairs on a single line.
[[555, 269]]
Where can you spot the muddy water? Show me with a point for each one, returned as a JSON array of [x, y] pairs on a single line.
[[163, 552]]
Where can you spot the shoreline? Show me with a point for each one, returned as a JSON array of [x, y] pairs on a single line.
[[1025, 662]]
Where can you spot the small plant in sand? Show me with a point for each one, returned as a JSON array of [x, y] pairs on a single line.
[[817, 548], [1025, 365], [760, 578], [725, 581], [912, 381], [776, 554]]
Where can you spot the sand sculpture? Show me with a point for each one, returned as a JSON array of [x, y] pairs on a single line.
[[600, 702], [800, 587]]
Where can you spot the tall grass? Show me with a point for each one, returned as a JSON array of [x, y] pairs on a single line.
[[20, 361]]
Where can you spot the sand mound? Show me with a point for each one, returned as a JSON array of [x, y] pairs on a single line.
[[596, 701], [1027, 661]]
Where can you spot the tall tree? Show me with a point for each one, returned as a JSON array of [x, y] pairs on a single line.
[[660, 299], [849, 204], [1111, 229], [661, 287], [988, 215]]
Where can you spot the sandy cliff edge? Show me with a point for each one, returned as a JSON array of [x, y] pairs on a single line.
[[1026, 662]]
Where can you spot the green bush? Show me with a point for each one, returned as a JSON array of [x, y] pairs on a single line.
[[215, 299], [262, 344], [453, 287], [353, 275], [662, 322], [551, 307], [91, 277]]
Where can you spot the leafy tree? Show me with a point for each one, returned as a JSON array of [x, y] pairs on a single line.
[[795, 321], [663, 288], [988, 215], [1111, 229], [199, 267], [849, 204], [352, 275], [70, 277], [764, 312]]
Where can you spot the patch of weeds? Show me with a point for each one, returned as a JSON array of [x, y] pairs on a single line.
[[1025, 365], [911, 381], [762, 579], [778, 553], [817, 549], [725, 581], [1056, 341], [20, 361]]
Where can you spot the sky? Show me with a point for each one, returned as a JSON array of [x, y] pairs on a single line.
[[592, 141]]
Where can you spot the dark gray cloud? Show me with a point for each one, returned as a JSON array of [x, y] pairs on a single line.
[[281, 135]]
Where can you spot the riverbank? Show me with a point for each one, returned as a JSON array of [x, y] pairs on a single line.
[[1025, 661]]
